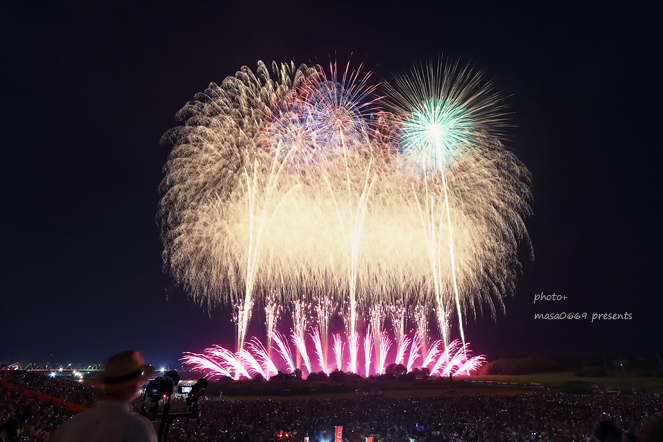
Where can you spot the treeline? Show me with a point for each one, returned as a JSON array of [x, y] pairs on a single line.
[[322, 383]]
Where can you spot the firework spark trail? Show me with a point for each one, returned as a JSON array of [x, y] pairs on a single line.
[[254, 366], [443, 324], [432, 353], [324, 311], [283, 349], [300, 312], [385, 345], [421, 320], [255, 245], [471, 364], [315, 335], [352, 236], [414, 351], [272, 314], [428, 220], [377, 314], [353, 344], [230, 359], [300, 345], [338, 351], [203, 363], [368, 349], [444, 357], [457, 360], [400, 350], [263, 357], [398, 315], [241, 318]]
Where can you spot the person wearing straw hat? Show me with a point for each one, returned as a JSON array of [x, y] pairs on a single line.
[[112, 418]]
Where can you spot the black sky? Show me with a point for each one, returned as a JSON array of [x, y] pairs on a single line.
[[89, 87]]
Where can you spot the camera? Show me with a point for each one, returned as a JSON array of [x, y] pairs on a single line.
[[162, 388]]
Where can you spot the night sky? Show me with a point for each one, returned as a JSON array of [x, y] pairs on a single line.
[[89, 87]]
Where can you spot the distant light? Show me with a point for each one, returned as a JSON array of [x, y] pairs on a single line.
[[52, 374], [162, 369]]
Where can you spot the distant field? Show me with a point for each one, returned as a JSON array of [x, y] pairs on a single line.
[[568, 381], [558, 381]]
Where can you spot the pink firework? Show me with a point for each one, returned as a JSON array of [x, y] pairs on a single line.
[[338, 351], [317, 342], [444, 357], [298, 339], [272, 314], [432, 352], [385, 345], [414, 351], [263, 357], [471, 364], [253, 366], [230, 361], [217, 361], [457, 360], [283, 349], [368, 349], [205, 364], [400, 350]]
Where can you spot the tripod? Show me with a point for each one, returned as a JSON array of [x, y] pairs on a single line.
[[167, 419]]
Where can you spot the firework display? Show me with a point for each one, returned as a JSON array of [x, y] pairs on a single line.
[[307, 200]]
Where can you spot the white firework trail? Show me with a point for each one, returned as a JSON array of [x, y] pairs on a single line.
[[338, 351], [368, 349], [420, 314], [398, 315], [272, 315], [353, 344]]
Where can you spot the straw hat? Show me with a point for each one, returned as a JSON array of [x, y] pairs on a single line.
[[123, 369]]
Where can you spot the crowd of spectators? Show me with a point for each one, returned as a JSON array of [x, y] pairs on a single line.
[[26, 418], [522, 417], [65, 388]]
